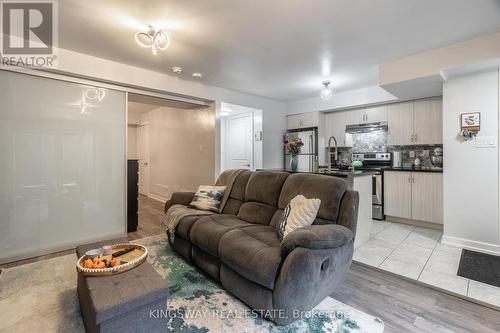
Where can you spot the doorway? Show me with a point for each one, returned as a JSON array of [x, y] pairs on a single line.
[[167, 141], [241, 137]]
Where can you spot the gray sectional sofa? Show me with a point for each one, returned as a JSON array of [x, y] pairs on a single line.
[[240, 247]]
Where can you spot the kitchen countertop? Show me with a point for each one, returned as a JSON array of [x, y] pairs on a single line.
[[433, 169], [335, 173]]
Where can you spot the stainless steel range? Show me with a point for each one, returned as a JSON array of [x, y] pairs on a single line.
[[375, 162]]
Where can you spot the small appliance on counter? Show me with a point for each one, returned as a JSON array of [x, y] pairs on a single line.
[[396, 159]]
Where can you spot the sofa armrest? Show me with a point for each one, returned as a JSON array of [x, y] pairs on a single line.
[[316, 237], [348, 212], [179, 198]]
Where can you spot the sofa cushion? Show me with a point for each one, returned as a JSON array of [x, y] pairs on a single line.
[[208, 230], [237, 195], [261, 196], [328, 189], [265, 187], [256, 212], [254, 252], [185, 224]]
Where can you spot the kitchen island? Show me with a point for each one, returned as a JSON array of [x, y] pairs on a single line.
[[360, 181]]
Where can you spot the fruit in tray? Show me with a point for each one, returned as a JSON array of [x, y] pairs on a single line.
[[99, 262]]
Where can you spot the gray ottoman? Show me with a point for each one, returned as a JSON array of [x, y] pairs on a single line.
[[132, 301]]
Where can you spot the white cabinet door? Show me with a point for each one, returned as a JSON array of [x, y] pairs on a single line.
[[400, 118], [293, 121], [355, 116], [427, 197], [375, 114], [397, 194], [428, 121], [335, 126]]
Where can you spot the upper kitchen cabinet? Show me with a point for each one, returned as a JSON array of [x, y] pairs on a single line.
[[335, 123], [302, 120], [428, 121], [400, 119], [375, 114]]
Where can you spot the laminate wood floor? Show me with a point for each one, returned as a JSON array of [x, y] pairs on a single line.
[[403, 305], [150, 214]]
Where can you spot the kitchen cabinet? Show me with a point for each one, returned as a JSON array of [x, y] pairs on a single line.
[[400, 121], [397, 194], [335, 123], [375, 114], [302, 120], [427, 197], [416, 122], [428, 121], [414, 195]]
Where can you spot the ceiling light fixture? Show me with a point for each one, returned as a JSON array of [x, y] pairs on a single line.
[[326, 92], [197, 75], [177, 70], [157, 40]]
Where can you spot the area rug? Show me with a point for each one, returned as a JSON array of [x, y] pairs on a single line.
[[42, 297]]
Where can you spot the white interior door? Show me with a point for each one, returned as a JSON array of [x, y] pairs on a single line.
[[239, 141], [143, 153]]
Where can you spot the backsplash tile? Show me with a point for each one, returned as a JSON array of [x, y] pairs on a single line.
[[375, 141]]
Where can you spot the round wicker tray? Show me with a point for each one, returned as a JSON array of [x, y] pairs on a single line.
[[126, 262]]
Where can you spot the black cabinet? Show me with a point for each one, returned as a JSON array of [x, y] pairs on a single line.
[[132, 195]]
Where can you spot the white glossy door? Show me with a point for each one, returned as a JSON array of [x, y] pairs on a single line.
[[143, 153], [62, 165], [239, 141]]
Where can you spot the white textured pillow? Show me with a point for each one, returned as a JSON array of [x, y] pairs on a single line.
[[299, 213]]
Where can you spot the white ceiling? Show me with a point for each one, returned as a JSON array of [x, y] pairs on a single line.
[[280, 49]]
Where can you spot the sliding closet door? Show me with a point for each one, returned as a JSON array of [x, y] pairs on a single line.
[[62, 164]]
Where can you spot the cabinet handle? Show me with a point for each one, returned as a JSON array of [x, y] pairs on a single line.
[[416, 138], [413, 180], [409, 180]]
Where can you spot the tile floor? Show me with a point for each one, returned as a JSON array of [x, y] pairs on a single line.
[[417, 253]]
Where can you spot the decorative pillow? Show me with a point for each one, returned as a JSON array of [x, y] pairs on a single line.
[[300, 212], [208, 198]]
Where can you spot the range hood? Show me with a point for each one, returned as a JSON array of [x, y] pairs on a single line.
[[368, 127]]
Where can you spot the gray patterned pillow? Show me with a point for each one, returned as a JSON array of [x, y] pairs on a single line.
[[208, 198], [300, 212]]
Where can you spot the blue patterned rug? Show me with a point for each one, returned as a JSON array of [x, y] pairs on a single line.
[[199, 304], [41, 297]]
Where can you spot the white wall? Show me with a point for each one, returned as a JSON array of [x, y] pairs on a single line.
[[86, 66], [132, 142], [471, 179]]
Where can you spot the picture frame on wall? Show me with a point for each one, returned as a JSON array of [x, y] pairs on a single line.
[[470, 121]]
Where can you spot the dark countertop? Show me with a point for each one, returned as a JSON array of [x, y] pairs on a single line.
[[335, 173], [433, 170]]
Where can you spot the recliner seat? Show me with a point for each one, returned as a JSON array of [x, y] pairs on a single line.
[[241, 249]]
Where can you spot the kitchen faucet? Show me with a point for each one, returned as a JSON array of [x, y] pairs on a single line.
[[330, 152]]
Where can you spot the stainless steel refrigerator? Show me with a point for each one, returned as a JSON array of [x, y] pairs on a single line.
[[309, 151]]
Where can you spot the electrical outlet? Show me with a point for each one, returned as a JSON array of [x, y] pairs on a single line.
[[412, 154]]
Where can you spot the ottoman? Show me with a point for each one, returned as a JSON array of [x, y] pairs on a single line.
[[133, 301]]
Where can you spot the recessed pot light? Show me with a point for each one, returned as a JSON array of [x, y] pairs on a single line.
[[197, 75]]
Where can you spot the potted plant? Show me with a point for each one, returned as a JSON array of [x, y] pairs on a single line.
[[293, 147]]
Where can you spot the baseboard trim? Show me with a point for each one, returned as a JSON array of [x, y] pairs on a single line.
[[471, 245], [157, 197], [417, 223]]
